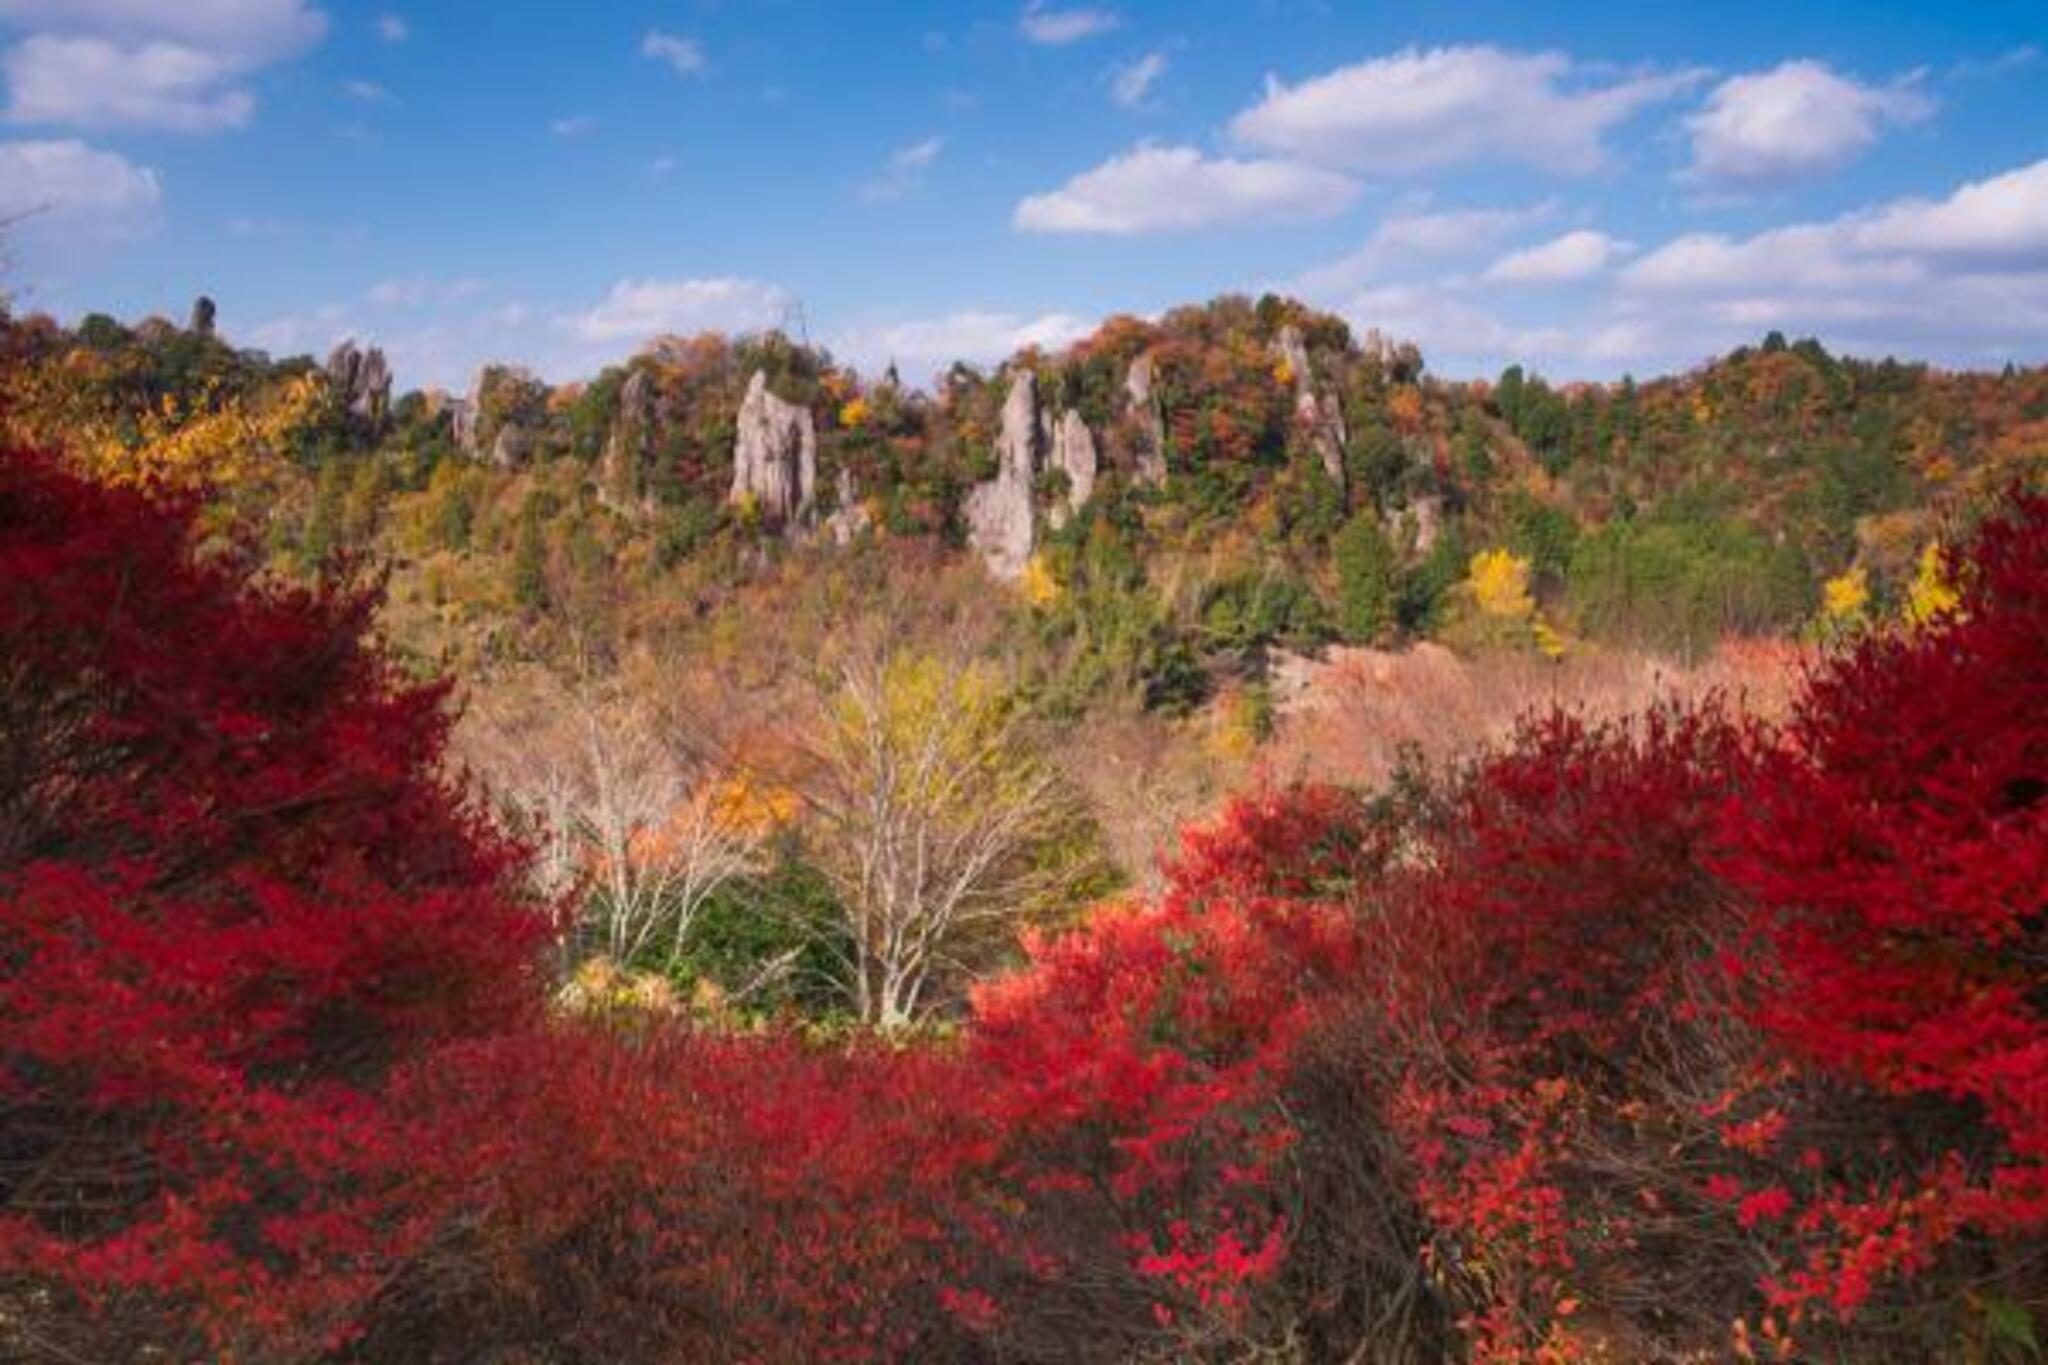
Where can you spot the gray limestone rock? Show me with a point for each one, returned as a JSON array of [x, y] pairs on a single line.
[[775, 457]]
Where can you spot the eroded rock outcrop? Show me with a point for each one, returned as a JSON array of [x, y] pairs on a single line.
[[361, 383], [775, 457], [629, 445], [1073, 453], [1143, 405], [850, 519], [1321, 418], [999, 512]]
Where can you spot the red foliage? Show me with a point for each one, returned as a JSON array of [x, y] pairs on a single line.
[[235, 891], [1130, 1076], [1896, 852], [1678, 1021]]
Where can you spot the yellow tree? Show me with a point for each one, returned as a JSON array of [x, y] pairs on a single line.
[[1499, 581], [941, 829], [1932, 594]]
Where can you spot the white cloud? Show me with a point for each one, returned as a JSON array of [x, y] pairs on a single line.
[[1578, 255], [905, 171], [93, 83], [637, 310], [1963, 275], [1404, 240], [392, 28], [1132, 84], [237, 32], [1169, 189], [138, 63], [685, 55], [922, 347], [366, 92], [1797, 119], [1416, 110], [573, 125], [1058, 27], [1997, 223], [68, 187]]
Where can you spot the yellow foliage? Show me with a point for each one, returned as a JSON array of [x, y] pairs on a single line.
[[852, 413], [1932, 594], [1283, 374], [602, 989], [737, 803], [1500, 585], [207, 444], [1845, 597], [1549, 641], [1037, 583]]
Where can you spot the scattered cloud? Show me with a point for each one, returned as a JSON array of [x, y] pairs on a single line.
[[905, 171], [922, 347], [1418, 110], [1796, 120], [1578, 255], [1171, 189], [1403, 241], [685, 55], [67, 187], [1058, 27], [366, 92], [637, 310], [574, 125], [392, 28], [1131, 84], [130, 63], [413, 290]]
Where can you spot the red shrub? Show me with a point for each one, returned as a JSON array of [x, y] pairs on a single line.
[[234, 891], [666, 1196], [1896, 851], [1131, 1077]]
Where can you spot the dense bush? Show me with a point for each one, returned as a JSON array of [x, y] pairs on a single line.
[[236, 893]]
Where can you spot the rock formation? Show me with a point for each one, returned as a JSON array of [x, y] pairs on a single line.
[[1322, 419], [361, 382], [774, 457], [999, 512], [629, 445], [850, 518], [462, 424], [1073, 451], [1143, 405], [506, 416]]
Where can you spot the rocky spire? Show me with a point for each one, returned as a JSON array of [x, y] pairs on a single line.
[[1073, 451], [1143, 405], [775, 457], [361, 382], [999, 512], [1322, 419]]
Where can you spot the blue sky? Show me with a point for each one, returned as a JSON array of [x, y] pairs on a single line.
[[1593, 189]]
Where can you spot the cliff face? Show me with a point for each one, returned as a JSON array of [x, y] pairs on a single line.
[[774, 458]]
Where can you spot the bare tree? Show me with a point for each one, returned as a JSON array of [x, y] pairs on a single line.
[[941, 830], [635, 830]]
